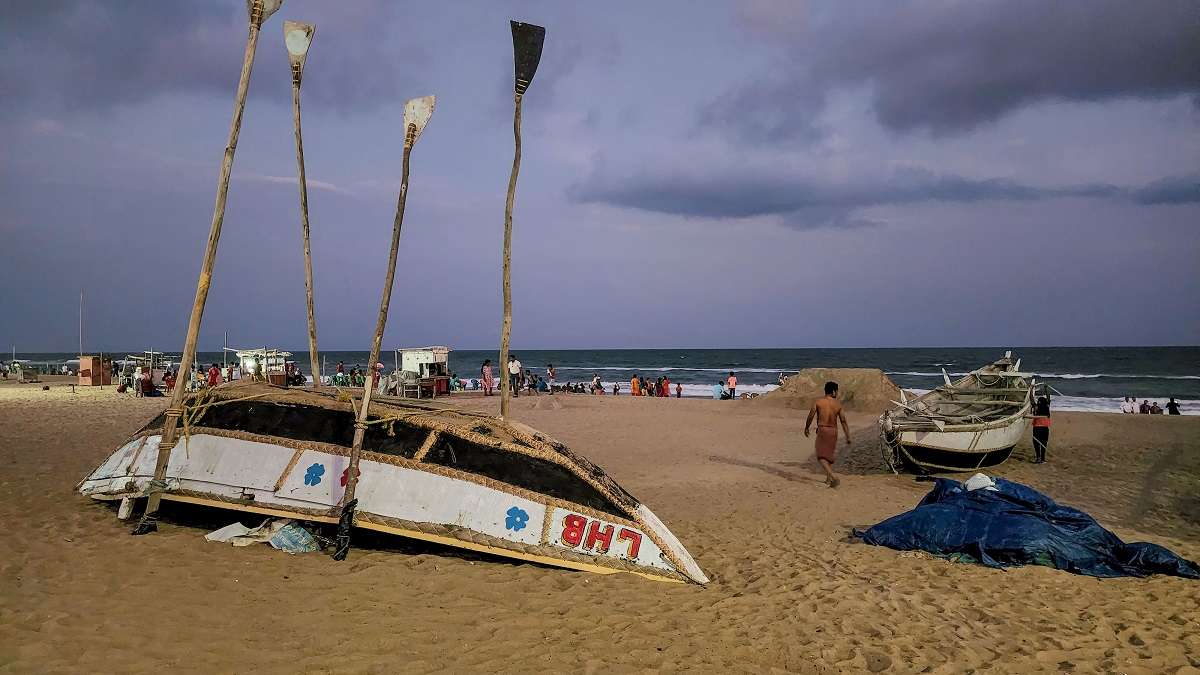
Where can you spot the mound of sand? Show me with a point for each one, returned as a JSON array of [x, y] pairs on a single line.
[[862, 389]]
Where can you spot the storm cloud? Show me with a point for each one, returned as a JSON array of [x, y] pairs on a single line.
[[693, 174], [811, 201], [72, 56], [949, 67]]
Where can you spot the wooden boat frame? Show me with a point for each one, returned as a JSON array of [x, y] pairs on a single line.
[[398, 427]]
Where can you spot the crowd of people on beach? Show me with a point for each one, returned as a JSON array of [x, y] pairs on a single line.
[[523, 380], [1130, 407]]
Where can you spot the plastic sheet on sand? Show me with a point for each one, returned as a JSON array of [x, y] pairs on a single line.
[[1017, 525], [286, 535]]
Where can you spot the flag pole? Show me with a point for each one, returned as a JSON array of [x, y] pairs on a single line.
[[297, 37], [527, 53], [416, 114], [259, 11]]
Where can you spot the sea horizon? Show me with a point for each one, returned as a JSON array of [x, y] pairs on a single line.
[[1092, 378]]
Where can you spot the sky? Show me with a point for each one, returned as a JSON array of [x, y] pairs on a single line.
[[756, 174]]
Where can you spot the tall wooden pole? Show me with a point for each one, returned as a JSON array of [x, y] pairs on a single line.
[[416, 113], [506, 326], [260, 11], [527, 53], [298, 37]]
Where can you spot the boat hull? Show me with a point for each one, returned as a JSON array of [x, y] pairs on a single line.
[[400, 496], [960, 450]]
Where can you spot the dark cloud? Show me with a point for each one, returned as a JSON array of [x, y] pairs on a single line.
[[805, 202], [1181, 190], [74, 56], [949, 67]]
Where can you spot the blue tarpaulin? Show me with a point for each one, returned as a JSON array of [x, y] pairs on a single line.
[[1017, 525]]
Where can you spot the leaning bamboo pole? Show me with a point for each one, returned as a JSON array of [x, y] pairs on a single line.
[[416, 114], [527, 53], [260, 11], [298, 37]]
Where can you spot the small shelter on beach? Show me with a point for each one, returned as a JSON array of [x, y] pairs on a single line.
[[95, 370], [155, 362], [264, 364], [430, 364]]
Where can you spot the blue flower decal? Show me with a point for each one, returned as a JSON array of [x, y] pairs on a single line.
[[314, 473], [516, 519]]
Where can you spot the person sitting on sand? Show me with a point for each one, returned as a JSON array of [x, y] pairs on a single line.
[[828, 412], [1145, 409], [1173, 406], [1154, 409], [718, 391], [147, 384], [1128, 406]]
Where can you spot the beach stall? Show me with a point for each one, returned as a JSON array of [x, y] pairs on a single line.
[[264, 364], [431, 365], [157, 363], [95, 370]]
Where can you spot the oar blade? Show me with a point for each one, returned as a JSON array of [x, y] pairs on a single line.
[[417, 112], [297, 37], [269, 7], [527, 52]]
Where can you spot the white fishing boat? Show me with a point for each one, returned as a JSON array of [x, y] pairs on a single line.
[[426, 471], [963, 425]]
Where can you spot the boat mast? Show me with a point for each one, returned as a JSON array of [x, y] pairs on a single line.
[[416, 114], [527, 53], [259, 11], [298, 37]]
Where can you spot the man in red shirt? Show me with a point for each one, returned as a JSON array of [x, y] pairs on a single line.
[[214, 375]]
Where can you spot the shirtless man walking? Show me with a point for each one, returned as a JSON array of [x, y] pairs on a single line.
[[828, 412]]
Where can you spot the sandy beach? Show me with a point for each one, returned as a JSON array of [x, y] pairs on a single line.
[[791, 590]]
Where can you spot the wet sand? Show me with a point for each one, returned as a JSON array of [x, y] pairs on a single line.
[[791, 591]]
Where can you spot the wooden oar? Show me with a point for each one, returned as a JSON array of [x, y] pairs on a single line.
[[416, 114], [260, 11], [297, 37], [527, 53]]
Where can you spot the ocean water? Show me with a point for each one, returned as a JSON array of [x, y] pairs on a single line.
[[1089, 378]]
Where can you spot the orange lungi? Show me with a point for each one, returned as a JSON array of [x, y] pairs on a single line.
[[826, 443]]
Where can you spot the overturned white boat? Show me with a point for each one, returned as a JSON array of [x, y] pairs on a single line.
[[428, 472], [964, 425]]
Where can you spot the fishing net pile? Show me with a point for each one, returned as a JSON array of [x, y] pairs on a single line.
[[860, 389]]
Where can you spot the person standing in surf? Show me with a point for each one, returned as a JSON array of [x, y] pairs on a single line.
[[828, 412]]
